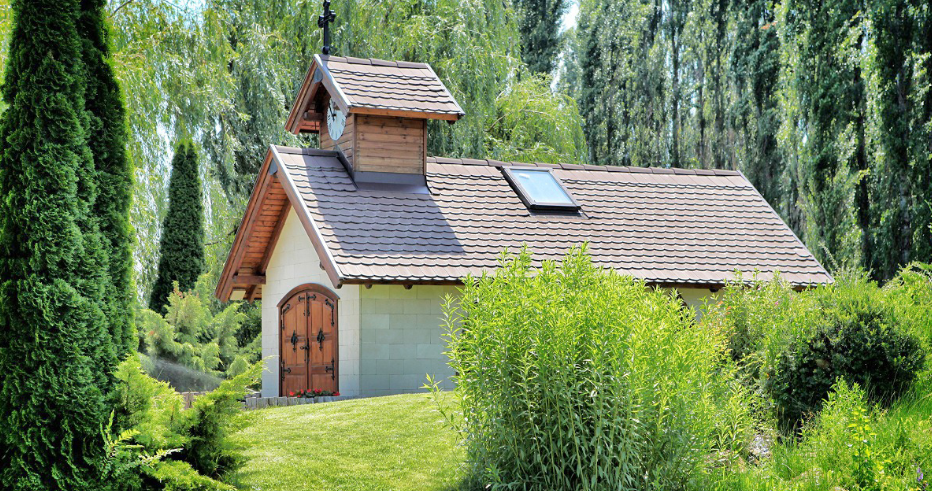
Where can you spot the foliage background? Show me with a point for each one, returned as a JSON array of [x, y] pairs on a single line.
[[826, 107]]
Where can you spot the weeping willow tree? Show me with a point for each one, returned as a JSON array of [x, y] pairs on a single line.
[[226, 73]]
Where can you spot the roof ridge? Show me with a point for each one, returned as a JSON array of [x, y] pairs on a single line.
[[603, 168], [352, 60], [305, 151]]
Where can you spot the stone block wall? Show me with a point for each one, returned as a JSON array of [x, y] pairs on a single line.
[[401, 338]]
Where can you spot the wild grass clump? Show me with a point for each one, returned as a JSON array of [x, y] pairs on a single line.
[[573, 377], [851, 444]]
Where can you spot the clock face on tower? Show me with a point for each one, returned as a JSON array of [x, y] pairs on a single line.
[[336, 121]]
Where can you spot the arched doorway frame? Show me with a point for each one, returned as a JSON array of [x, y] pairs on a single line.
[[330, 299]]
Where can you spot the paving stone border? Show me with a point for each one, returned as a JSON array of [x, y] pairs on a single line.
[[253, 401], [265, 402]]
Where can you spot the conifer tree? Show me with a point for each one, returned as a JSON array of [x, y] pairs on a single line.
[[107, 140], [54, 347], [540, 32], [181, 249]]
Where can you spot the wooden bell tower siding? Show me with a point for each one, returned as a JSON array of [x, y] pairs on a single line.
[[386, 104]]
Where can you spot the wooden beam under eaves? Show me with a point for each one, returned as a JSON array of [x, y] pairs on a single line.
[[248, 279]]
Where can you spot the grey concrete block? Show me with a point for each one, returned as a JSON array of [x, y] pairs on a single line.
[[374, 367], [418, 336], [386, 306], [374, 351], [373, 382], [399, 383], [376, 321], [392, 367], [402, 351], [430, 351], [404, 321], [367, 336], [389, 336], [430, 321], [418, 306]]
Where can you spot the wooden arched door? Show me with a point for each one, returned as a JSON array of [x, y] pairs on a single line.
[[308, 340]]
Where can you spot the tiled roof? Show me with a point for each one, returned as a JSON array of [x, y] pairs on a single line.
[[390, 85], [667, 226]]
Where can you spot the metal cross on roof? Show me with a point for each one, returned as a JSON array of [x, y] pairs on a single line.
[[324, 22]]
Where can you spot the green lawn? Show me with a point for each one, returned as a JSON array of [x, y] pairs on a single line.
[[382, 443]]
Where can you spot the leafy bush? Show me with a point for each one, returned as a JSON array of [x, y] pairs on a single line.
[[191, 335], [170, 448], [850, 445], [211, 421], [911, 294], [792, 346], [760, 319], [573, 377], [856, 338]]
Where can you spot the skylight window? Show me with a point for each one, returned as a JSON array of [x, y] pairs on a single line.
[[539, 189]]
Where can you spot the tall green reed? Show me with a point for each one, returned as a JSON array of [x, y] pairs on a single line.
[[573, 377]]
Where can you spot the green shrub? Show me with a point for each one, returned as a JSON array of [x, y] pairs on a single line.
[[573, 377], [194, 445], [191, 335], [850, 445], [911, 294], [760, 319], [856, 338], [210, 422]]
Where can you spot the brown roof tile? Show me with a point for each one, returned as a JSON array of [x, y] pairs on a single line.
[[389, 85], [667, 226]]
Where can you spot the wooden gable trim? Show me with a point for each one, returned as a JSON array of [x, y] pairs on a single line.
[[333, 88], [276, 233], [297, 122], [317, 240], [293, 123], [272, 170], [231, 267]]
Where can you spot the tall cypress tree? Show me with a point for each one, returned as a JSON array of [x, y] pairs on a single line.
[[53, 341], [921, 137], [181, 249], [107, 140], [540, 32]]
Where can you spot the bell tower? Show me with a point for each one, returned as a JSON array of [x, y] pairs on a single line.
[[373, 112]]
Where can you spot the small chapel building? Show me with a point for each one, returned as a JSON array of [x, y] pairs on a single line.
[[351, 247]]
